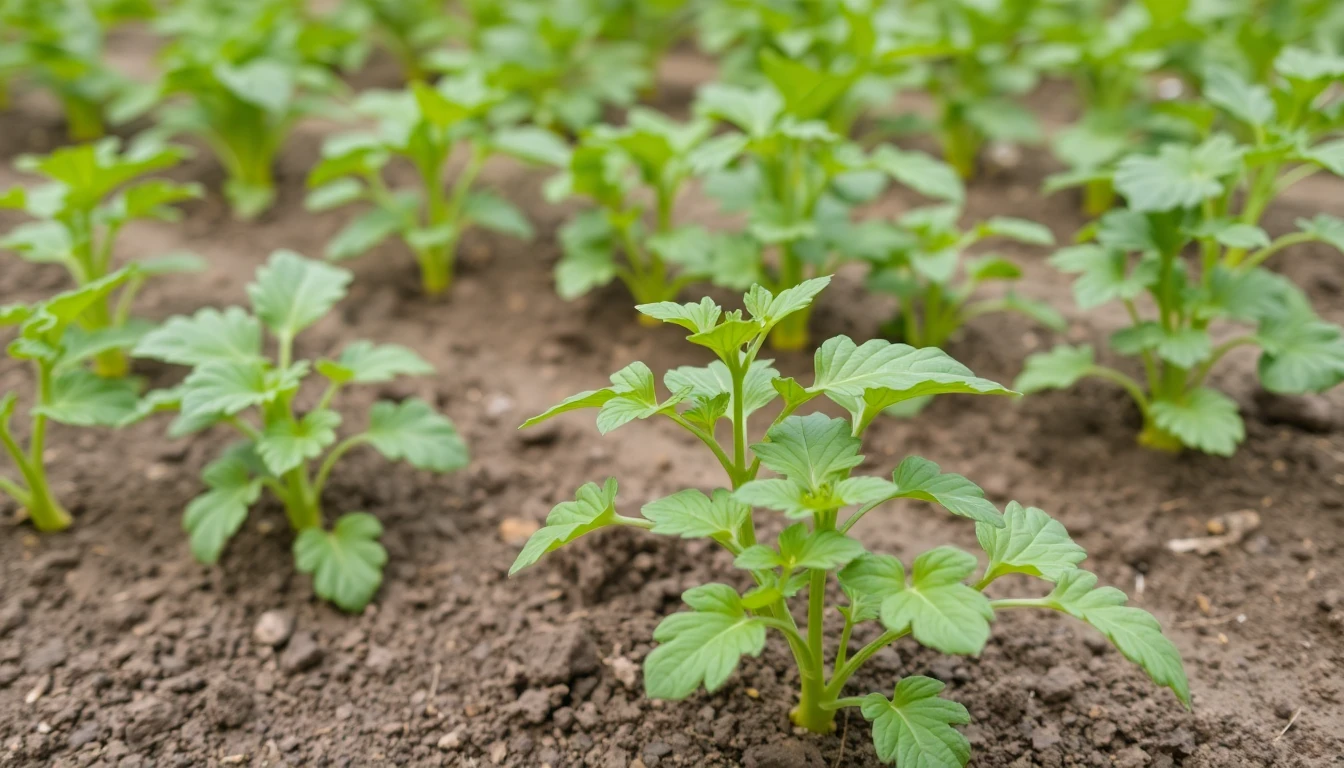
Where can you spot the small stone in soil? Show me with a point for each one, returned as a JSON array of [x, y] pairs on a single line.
[[273, 628], [302, 653], [1058, 685], [228, 704]]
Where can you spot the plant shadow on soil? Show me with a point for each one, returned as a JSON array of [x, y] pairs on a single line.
[[117, 649]]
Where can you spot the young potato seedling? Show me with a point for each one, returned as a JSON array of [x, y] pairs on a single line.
[[411, 30], [92, 191], [423, 126], [799, 182], [58, 44], [1209, 198], [919, 261], [235, 383], [938, 601], [239, 75], [651, 158], [64, 391]]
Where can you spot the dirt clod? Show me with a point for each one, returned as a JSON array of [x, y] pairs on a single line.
[[302, 653], [228, 704], [273, 628], [1059, 684], [786, 753], [559, 655]]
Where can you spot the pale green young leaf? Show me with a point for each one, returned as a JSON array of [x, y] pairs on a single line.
[[913, 729], [809, 450], [208, 336], [346, 562], [1204, 419], [497, 215], [919, 478], [770, 309], [1060, 368], [1021, 230], [595, 398], [363, 232], [1302, 353], [808, 93], [412, 430], [823, 550], [266, 83], [1105, 274], [1324, 227], [533, 145], [593, 507], [696, 318], [1030, 542], [228, 387], [285, 445], [364, 362], [1178, 176], [715, 379], [705, 412], [1329, 155], [1309, 66], [334, 195], [754, 111], [920, 172], [82, 398], [691, 514], [779, 494], [869, 580], [936, 606], [1233, 234], [1251, 104], [212, 518], [1184, 347], [291, 292], [1135, 633], [728, 337], [701, 646]]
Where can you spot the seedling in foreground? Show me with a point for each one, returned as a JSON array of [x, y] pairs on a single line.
[[422, 126], [1208, 199], [94, 191], [813, 457], [65, 391], [233, 382]]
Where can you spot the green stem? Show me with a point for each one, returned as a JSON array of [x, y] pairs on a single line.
[[329, 463], [1219, 351], [710, 442], [842, 652], [848, 701], [1258, 257], [843, 673], [15, 491], [1130, 385]]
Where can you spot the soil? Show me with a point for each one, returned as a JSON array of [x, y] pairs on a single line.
[[116, 648]]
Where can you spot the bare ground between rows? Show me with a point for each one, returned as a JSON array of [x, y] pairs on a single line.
[[117, 649]]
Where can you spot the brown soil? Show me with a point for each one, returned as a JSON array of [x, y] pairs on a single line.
[[116, 648]]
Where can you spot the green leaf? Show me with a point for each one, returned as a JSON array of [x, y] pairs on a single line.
[[287, 444], [755, 111], [412, 430], [808, 93], [919, 478], [920, 172], [878, 374], [809, 450], [1251, 104], [939, 610], [1133, 631], [867, 581], [346, 562], [84, 399], [1021, 230], [1105, 274], [701, 646], [334, 195], [364, 362], [365, 231], [291, 292], [592, 508], [634, 397], [214, 517], [266, 83], [691, 514], [758, 388], [534, 145], [1178, 176], [1328, 155], [594, 398], [822, 550], [230, 387], [208, 336], [1325, 227], [1060, 368], [1183, 347], [696, 318], [1309, 66], [770, 309], [497, 214], [728, 337], [1202, 418], [1029, 541], [913, 729], [1302, 353]]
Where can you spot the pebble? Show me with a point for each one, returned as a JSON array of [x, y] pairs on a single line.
[[302, 653], [450, 741], [273, 628]]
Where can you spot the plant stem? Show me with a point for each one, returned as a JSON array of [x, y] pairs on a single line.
[[843, 673]]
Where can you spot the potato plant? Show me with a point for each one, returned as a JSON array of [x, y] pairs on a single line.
[[940, 601], [799, 182], [645, 164], [423, 126], [286, 449], [1208, 199], [91, 192], [918, 259], [411, 30], [58, 45], [64, 391], [239, 75]]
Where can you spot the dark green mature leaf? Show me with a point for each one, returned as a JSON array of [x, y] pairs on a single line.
[[291, 292], [867, 581], [414, 431], [82, 398], [936, 606], [346, 562], [214, 517], [1060, 368], [1135, 633], [691, 514], [913, 729], [701, 646], [208, 336], [1029, 541], [593, 507], [919, 478], [285, 445], [1202, 418], [1178, 176], [810, 450]]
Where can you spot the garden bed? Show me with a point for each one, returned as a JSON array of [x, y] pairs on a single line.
[[117, 648]]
